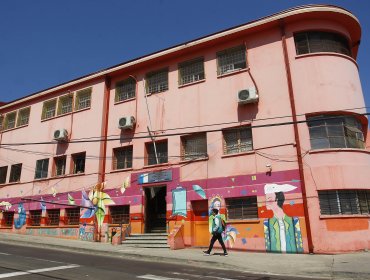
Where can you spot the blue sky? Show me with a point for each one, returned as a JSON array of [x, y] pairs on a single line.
[[44, 43]]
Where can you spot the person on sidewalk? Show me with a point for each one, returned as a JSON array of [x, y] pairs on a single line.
[[216, 227]]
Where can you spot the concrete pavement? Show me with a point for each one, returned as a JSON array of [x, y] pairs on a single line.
[[341, 266]]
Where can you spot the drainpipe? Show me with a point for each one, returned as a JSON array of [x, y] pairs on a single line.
[[296, 134]]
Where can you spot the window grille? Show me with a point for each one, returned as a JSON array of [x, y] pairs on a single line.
[[48, 110], [125, 89], [194, 146], [162, 152], [65, 104], [316, 41], [23, 116], [8, 218], [344, 202], [122, 157], [119, 214], [15, 173], [53, 217], [78, 163], [60, 165], [191, 71], [10, 120], [3, 174], [83, 99], [157, 81], [42, 166], [35, 217], [72, 216], [237, 140], [231, 60], [242, 208], [330, 131], [1, 123]]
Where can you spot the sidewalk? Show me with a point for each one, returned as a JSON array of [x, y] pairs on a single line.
[[343, 266]]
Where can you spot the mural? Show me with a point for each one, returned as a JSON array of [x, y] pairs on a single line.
[[198, 189], [6, 204], [21, 220], [282, 233], [86, 232], [179, 202]]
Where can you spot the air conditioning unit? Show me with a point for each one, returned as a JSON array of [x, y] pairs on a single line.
[[61, 135], [126, 122], [247, 96]]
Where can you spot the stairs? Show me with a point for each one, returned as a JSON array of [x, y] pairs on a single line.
[[147, 240]]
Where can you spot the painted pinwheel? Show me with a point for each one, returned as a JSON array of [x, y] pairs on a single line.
[[229, 235], [95, 203]]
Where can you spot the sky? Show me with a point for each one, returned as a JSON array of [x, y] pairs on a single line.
[[44, 43]]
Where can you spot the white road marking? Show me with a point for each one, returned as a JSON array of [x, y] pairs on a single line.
[[156, 277], [202, 276], [5, 254], [13, 274]]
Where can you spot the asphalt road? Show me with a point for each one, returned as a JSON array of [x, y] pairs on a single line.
[[18, 262]]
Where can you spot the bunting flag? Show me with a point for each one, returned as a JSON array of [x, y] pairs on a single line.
[[125, 184], [42, 204], [198, 189], [6, 204], [71, 200], [54, 191]]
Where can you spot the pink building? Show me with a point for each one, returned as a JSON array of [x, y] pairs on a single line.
[[265, 120]]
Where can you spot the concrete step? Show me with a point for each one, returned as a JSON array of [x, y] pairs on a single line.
[[147, 240], [144, 241], [153, 237], [157, 246], [149, 235]]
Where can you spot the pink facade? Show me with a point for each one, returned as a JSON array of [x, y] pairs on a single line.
[[274, 146]]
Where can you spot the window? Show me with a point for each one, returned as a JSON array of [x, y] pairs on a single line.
[[330, 131], [317, 41], [119, 214], [191, 71], [42, 166], [78, 161], [162, 152], [122, 157], [10, 120], [72, 216], [125, 90], [15, 173], [237, 140], [35, 217], [242, 208], [23, 116], [1, 123], [3, 174], [60, 165], [8, 218], [194, 146], [52, 217], [344, 202], [48, 110], [65, 104], [231, 60], [83, 99], [157, 81]]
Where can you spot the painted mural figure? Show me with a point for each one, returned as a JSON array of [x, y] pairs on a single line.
[[216, 227], [21, 221], [282, 233]]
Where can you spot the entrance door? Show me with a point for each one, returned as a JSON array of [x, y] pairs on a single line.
[[201, 234], [155, 209]]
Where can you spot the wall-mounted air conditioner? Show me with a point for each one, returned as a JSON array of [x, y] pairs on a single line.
[[126, 122], [60, 135], [249, 95]]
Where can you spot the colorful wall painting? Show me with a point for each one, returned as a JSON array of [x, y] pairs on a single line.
[[21, 220], [86, 232], [179, 202], [198, 189], [282, 233]]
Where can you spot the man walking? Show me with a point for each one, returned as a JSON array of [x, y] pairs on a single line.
[[216, 227]]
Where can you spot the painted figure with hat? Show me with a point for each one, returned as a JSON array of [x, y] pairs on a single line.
[[282, 233]]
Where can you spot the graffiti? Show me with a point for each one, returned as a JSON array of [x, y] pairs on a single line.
[[86, 232], [43, 231], [282, 233], [69, 231], [21, 221]]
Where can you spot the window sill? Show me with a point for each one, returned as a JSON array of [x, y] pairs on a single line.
[[66, 114], [192, 83], [232, 73], [246, 221], [69, 226], [42, 227], [6, 228], [116, 225], [155, 92], [121, 170], [194, 160], [323, 217], [155, 165], [59, 177], [327, 54], [13, 128], [351, 150], [238, 154], [124, 101], [9, 184]]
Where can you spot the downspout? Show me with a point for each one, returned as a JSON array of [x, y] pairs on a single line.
[[296, 134]]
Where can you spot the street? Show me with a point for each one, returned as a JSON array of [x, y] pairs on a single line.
[[17, 262]]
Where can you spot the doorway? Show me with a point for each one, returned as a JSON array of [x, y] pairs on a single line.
[[155, 209]]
